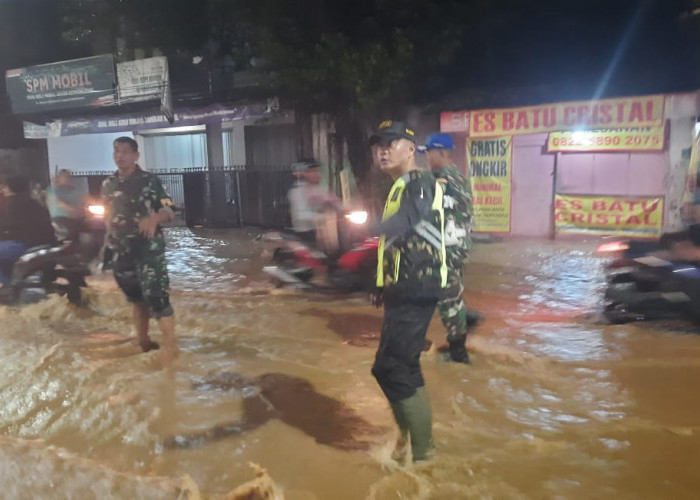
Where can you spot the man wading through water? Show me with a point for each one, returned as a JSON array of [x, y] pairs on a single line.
[[457, 203], [136, 206], [411, 278]]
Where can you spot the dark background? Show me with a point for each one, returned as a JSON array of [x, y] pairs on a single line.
[[360, 59]]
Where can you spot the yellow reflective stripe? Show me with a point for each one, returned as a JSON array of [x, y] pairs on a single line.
[[438, 198], [380, 262], [438, 206], [397, 264], [393, 202]]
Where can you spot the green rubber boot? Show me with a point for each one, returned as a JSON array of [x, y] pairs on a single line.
[[401, 448], [416, 411]]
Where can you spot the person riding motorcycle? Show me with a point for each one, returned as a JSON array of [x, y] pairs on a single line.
[[24, 224], [307, 200], [65, 204]]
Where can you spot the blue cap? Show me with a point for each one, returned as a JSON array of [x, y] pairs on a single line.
[[437, 141]]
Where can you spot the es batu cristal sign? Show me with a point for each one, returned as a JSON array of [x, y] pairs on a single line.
[[62, 85], [626, 112]]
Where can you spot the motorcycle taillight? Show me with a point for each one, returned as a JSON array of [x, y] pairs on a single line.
[[612, 247]]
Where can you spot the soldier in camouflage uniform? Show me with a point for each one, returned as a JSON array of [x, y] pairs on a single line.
[[136, 206], [458, 215], [411, 277]]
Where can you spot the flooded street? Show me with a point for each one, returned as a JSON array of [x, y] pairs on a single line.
[[554, 405]]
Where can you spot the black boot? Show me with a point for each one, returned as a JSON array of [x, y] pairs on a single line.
[[457, 352], [473, 318]]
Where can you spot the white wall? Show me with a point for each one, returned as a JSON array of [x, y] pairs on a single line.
[[160, 149], [163, 152], [82, 153]]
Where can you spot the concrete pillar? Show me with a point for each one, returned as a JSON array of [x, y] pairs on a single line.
[[218, 206], [141, 142], [680, 110], [215, 145], [680, 141], [238, 133]]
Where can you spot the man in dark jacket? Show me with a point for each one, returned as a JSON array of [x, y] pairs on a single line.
[[411, 278], [24, 223]]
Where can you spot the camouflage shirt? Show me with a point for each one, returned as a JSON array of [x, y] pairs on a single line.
[[128, 200], [458, 213]]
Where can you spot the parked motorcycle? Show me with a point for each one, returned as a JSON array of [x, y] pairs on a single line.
[[59, 268], [645, 284]]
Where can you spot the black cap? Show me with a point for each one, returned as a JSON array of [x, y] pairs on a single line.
[[391, 130]]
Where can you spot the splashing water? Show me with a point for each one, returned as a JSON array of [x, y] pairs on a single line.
[[553, 405]]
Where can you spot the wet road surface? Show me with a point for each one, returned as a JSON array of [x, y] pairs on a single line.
[[554, 405]]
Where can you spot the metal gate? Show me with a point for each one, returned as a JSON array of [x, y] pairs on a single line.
[[223, 197]]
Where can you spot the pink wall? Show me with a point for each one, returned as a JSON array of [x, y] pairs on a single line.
[[531, 209], [623, 174]]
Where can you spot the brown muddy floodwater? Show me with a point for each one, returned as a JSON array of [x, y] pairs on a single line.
[[554, 405]]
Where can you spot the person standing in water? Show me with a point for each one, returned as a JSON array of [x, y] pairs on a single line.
[[411, 278], [457, 204], [136, 207]]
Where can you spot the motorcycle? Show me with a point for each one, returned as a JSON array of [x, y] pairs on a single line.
[[353, 270], [349, 262], [645, 283], [60, 268]]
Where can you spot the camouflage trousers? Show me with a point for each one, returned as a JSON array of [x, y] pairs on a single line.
[[143, 277], [452, 309]]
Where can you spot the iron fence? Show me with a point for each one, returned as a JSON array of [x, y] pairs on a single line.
[[223, 196]]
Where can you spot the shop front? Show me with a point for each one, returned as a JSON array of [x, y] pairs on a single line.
[[606, 167]]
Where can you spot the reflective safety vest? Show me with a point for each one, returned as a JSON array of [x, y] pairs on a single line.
[[433, 235]]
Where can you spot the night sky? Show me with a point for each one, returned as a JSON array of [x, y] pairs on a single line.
[[513, 52], [549, 51]]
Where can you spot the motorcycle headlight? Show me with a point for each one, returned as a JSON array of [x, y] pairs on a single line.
[[98, 210], [357, 217]]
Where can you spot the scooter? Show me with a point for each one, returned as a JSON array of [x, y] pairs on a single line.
[[90, 232], [59, 268], [354, 270], [645, 285], [349, 268]]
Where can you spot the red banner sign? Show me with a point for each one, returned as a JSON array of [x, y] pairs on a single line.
[[454, 121]]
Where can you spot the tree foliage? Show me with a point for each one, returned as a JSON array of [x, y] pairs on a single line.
[[356, 61], [325, 53], [364, 54], [363, 60]]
